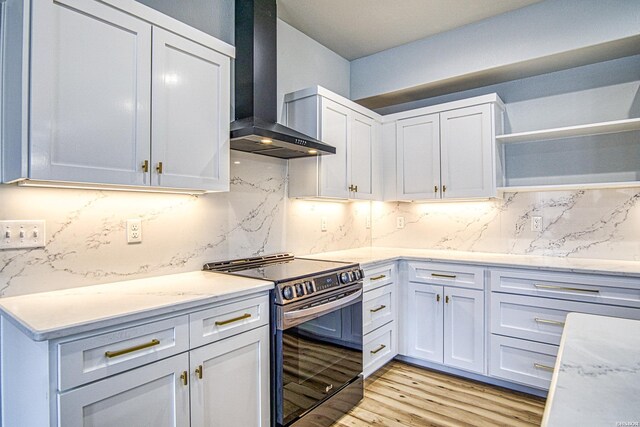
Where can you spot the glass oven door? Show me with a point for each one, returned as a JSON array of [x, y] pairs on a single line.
[[316, 359]]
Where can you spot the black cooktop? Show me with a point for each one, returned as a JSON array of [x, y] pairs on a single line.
[[277, 268]]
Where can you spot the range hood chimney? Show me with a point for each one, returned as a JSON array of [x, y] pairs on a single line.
[[255, 129]]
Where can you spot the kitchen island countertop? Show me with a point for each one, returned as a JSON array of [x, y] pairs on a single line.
[[48, 315], [596, 380]]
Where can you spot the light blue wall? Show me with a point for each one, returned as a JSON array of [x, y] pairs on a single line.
[[543, 29]]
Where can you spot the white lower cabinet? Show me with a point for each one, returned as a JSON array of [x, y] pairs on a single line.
[[230, 381], [147, 373], [444, 324], [152, 395], [379, 317]]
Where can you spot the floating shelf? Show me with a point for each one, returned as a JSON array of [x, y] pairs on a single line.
[[569, 187], [571, 131]]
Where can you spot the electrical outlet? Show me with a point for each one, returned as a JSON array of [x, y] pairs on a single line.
[[368, 222], [323, 223], [536, 223], [134, 231], [400, 222], [22, 234]]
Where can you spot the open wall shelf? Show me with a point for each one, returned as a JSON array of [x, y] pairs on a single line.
[[626, 125]]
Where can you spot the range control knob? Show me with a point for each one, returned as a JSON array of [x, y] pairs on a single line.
[[287, 293], [308, 287], [299, 289], [357, 274], [344, 278]]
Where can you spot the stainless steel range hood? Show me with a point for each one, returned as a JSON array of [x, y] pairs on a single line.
[[255, 129]]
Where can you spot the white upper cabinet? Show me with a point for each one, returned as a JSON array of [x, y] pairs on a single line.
[[90, 93], [445, 151], [418, 157], [354, 171], [467, 153], [190, 114], [116, 94]]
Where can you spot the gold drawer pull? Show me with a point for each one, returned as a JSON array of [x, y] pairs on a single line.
[[564, 288], [375, 310], [382, 347], [184, 376], [543, 367], [235, 319], [382, 276], [117, 353], [199, 372], [446, 276], [550, 322]]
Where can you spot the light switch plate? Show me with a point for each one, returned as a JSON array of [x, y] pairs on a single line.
[[20, 234]]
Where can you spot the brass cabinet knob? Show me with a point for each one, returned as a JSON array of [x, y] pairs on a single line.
[[145, 166], [159, 167]]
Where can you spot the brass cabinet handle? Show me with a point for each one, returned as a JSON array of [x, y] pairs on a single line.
[[382, 347], [375, 310], [444, 188], [184, 376], [435, 188], [446, 299], [356, 188], [235, 319], [565, 288], [199, 371], [438, 297], [543, 367], [446, 276], [550, 322], [159, 167], [382, 276], [145, 166], [117, 353], [351, 188]]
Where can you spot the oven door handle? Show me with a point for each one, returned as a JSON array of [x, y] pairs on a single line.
[[297, 314]]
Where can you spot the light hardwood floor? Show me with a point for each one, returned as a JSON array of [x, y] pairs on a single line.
[[403, 395]]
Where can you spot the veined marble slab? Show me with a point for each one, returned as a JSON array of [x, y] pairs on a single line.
[[47, 315], [596, 380], [371, 256]]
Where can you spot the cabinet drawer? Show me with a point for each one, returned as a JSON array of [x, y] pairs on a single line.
[[576, 287], [223, 321], [521, 361], [446, 274], [542, 319], [379, 276], [96, 357], [378, 308], [379, 347]]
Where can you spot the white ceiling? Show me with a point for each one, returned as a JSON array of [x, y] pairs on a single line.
[[357, 28]]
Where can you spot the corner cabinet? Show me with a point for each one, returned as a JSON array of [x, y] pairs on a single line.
[[113, 93], [205, 367], [354, 171], [446, 151]]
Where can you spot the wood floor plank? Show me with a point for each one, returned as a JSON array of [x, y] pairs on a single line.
[[400, 394]]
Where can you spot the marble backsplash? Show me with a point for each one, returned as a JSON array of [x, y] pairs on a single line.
[[86, 238], [586, 224]]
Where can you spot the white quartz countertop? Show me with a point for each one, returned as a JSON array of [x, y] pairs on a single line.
[[370, 256], [596, 380], [49, 315]]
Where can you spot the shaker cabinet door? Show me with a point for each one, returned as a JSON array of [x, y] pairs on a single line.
[[230, 381], [467, 159], [418, 158], [464, 329], [335, 169], [153, 395], [90, 93], [424, 329], [362, 157], [190, 114]]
